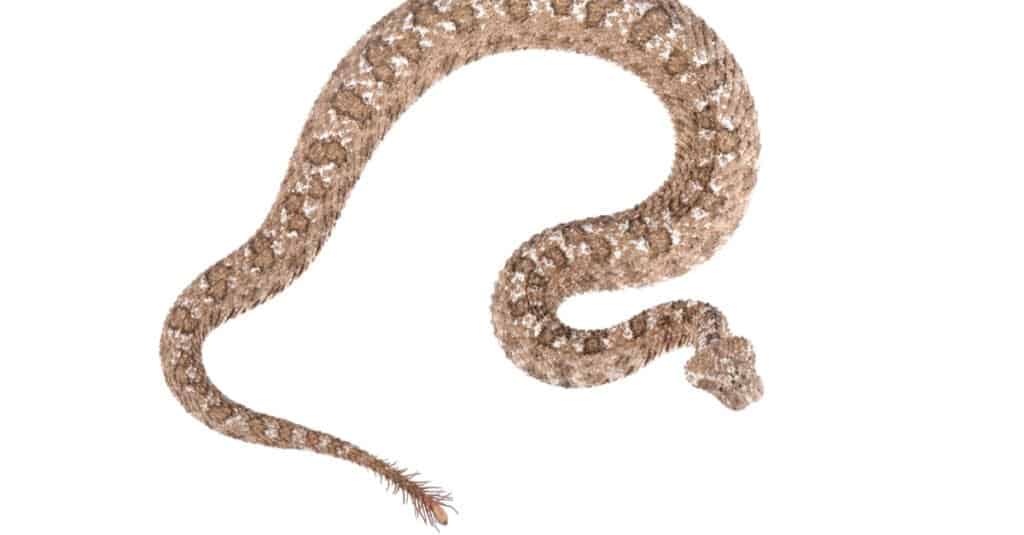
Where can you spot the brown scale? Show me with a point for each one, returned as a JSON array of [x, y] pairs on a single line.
[[593, 345], [638, 325], [180, 372], [525, 265], [562, 8], [315, 188], [464, 18], [181, 320], [539, 308], [557, 257], [709, 119], [654, 22], [220, 414], [659, 240], [636, 227], [262, 252], [536, 281], [324, 152], [519, 308], [726, 142], [297, 223], [600, 250], [425, 14], [518, 10], [218, 272], [598, 10], [348, 104], [284, 433], [378, 55], [313, 440], [409, 47], [679, 62], [547, 336], [218, 290], [712, 175], [257, 429]]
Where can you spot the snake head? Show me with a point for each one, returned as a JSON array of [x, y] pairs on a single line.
[[725, 368]]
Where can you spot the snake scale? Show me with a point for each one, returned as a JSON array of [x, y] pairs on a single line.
[[679, 226]]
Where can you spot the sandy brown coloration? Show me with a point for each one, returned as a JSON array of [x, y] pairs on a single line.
[[679, 226]]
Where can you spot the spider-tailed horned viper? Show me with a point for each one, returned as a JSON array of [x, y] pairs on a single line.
[[679, 226]]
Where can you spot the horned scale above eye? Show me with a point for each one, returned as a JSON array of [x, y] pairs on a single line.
[[679, 226]]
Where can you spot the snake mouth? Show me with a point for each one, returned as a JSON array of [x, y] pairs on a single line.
[[725, 369]]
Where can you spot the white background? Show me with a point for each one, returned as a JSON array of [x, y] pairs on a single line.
[[877, 273]]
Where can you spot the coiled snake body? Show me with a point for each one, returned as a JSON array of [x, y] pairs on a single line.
[[682, 224]]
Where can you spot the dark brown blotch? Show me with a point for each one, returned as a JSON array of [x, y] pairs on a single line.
[[708, 119], [562, 8], [638, 325], [600, 250], [218, 290], [261, 244], [574, 234], [726, 142], [659, 240], [378, 52], [312, 440], [518, 10], [298, 222], [181, 320], [218, 272], [655, 22], [316, 189], [262, 252], [665, 320], [557, 257], [598, 10], [426, 15], [678, 62], [636, 227], [264, 261], [547, 336], [710, 202], [540, 309], [518, 308], [293, 203], [464, 18], [593, 345], [564, 373], [220, 414], [285, 432], [324, 152], [409, 47], [257, 428], [384, 73], [524, 265], [378, 55], [180, 374], [702, 174], [348, 104], [678, 207]]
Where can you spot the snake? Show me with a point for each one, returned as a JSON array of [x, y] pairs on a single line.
[[681, 225]]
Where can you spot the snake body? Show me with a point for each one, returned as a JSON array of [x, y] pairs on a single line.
[[680, 225]]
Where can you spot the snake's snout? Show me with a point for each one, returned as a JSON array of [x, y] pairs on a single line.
[[725, 368]]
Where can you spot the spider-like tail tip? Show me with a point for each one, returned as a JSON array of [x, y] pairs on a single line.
[[439, 513]]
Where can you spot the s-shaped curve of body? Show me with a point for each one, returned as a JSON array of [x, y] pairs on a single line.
[[680, 225]]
